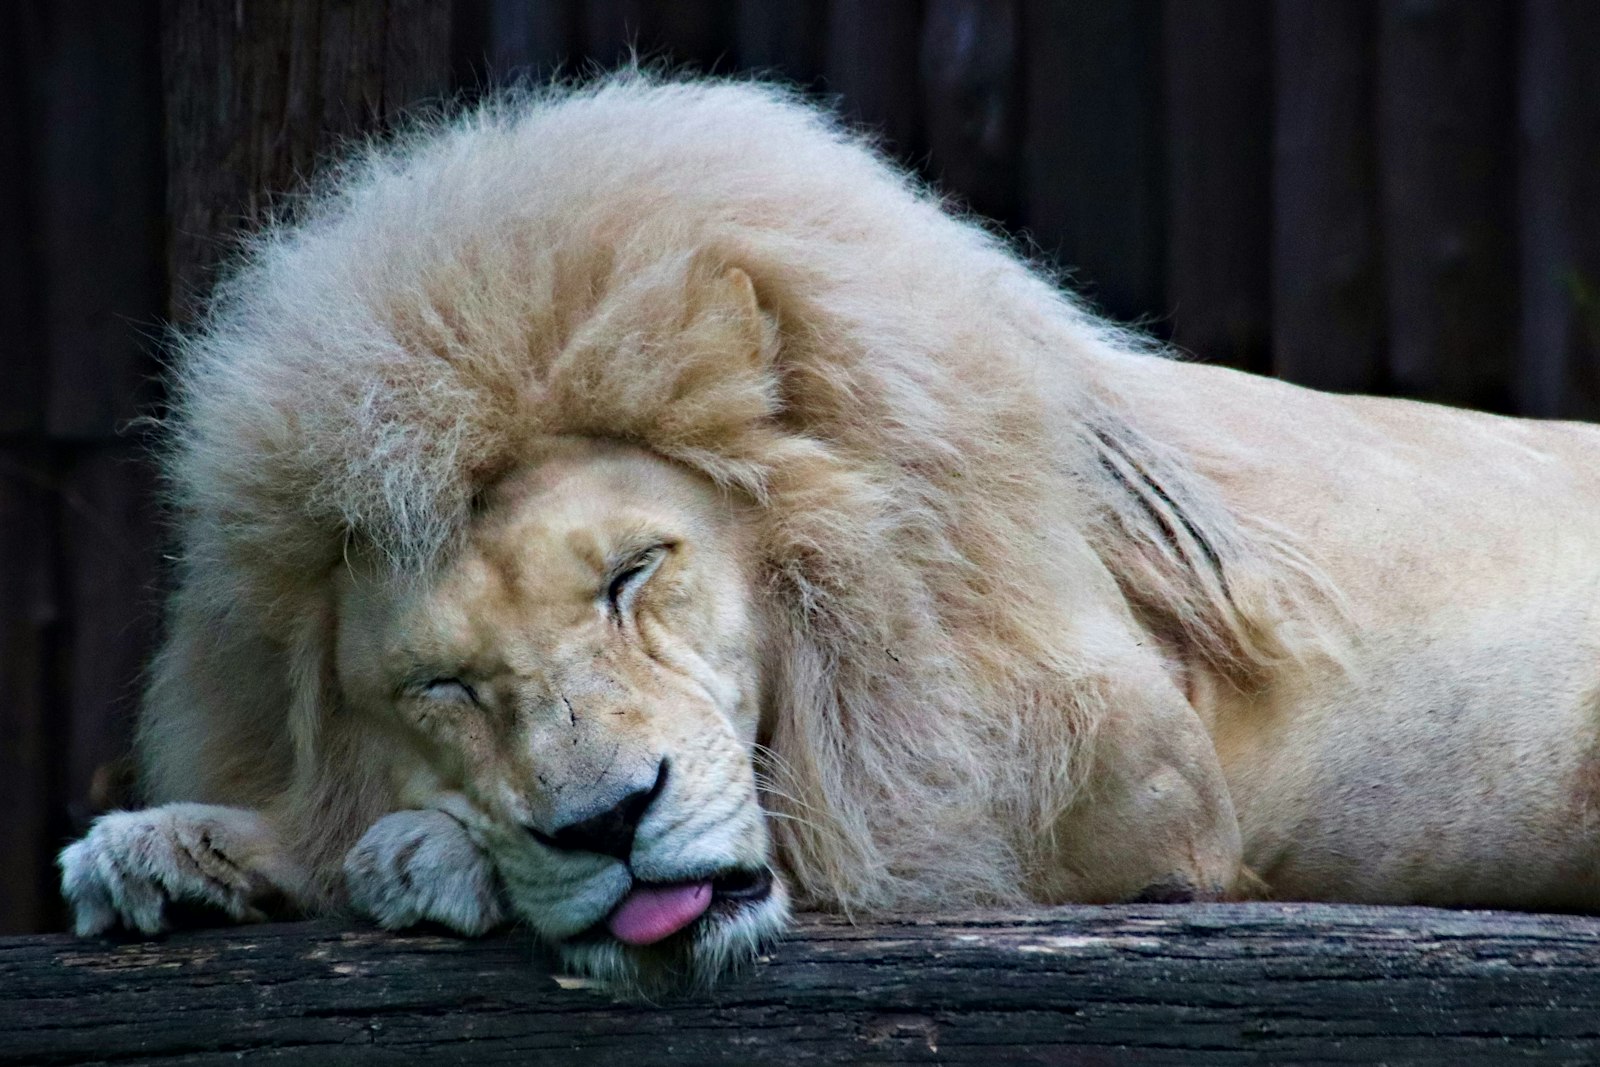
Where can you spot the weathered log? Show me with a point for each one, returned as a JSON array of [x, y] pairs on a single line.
[[1145, 984]]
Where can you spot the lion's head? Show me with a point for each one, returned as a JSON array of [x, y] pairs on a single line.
[[579, 682]]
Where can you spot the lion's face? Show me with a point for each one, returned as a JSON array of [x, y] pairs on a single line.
[[579, 685]]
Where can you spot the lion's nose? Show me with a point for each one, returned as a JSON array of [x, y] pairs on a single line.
[[609, 833]]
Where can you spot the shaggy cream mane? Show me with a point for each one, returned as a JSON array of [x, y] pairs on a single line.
[[950, 490]]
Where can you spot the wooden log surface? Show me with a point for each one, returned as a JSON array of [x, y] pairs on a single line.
[[1207, 984]]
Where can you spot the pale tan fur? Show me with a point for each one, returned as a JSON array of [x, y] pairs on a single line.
[[1015, 582]]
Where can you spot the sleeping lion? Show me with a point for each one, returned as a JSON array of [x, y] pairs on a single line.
[[637, 510]]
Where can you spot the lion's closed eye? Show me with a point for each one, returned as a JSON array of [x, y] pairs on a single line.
[[623, 587], [452, 690]]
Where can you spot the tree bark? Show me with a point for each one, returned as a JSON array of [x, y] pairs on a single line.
[[1202, 984]]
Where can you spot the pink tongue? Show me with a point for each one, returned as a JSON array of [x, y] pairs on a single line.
[[650, 913]]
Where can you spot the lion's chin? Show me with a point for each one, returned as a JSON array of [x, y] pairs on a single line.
[[725, 940]]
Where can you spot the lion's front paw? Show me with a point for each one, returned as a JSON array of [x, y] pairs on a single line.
[[420, 866], [131, 864]]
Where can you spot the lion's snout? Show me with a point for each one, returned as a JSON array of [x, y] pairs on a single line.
[[611, 830]]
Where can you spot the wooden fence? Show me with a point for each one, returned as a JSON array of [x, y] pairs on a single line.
[[1385, 195]]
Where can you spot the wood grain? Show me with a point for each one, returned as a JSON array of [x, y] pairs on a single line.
[[108, 526], [872, 64], [971, 85], [21, 299], [786, 40], [96, 201], [257, 94], [526, 41], [1557, 369], [1219, 178], [1218, 984], [30, 686], [1326, 268], [1444, 106], [1093, 172]]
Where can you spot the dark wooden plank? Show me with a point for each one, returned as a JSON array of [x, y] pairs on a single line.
[[971, 90], [257, 93], [1327, 307], [30, 787], [783, 39], [529, 39], [110, 538], [95, 125], [872, 64], [228, 135], [613, 30], [610, 31], [21, 402], [697, 34], [472, 59], [1558, 365], [1219, 984], [417, 55], [1093, 167], [1445, 112], [1219, 178], [83, 293], [348, 55]]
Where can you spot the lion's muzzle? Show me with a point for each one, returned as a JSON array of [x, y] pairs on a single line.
[[611, 832], [652, 911]]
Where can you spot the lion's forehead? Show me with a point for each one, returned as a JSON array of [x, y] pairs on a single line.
[[525, 592]]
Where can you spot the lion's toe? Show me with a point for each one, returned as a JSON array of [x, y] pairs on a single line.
[[133, 864], [420, 866]]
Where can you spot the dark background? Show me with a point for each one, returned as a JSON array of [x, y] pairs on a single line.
[[1397, 196]]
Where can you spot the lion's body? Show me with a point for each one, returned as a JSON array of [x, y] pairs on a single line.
[[1454, 759], [1041, 610]]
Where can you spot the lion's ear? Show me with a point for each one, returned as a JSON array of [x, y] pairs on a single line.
[[727, 318]]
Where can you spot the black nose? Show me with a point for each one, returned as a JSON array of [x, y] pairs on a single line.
[[609, 833]]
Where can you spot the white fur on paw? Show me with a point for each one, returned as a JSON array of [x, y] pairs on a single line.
[[420, 866], [131, 863]]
